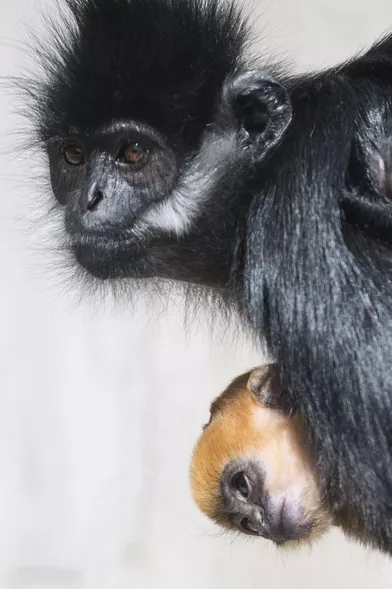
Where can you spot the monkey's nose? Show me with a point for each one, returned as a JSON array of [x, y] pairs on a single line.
[[94, 197]]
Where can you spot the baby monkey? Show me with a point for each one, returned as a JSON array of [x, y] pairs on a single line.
[[251, 469]]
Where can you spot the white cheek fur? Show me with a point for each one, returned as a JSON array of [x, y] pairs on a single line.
[[180, 210]]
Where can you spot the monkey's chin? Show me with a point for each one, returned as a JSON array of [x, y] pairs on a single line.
[[108, 261], [89, 262]]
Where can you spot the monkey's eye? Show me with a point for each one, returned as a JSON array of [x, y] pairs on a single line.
[[241, 484], [73, 154], [134, 153]]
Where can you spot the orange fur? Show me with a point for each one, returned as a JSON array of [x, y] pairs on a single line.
[[240, 426]]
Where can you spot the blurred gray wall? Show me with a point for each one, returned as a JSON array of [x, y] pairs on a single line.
[[99, 408]]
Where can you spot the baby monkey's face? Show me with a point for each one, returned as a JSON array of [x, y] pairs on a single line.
[[251, 470]]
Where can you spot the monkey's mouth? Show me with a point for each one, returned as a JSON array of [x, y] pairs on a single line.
[[281, 525], [107, 257], [287, 524]]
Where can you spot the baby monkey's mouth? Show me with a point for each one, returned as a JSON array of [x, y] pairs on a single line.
[[286, 523], [279, 524]]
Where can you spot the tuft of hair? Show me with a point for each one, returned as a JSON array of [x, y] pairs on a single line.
[[109, 59]]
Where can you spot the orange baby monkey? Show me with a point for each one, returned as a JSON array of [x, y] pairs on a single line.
[[251, 470]]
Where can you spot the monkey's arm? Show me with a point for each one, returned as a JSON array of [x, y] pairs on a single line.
[[317, 282]]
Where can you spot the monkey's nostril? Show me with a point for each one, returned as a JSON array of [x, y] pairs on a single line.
[[94, 199]]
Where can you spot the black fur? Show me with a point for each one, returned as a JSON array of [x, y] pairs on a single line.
[[304, 241], [317, 276], [160, 61]]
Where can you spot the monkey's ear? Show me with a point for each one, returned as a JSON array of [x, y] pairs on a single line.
[[262, 107], [265, 386]]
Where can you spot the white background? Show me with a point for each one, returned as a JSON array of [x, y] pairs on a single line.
[[99, 409]]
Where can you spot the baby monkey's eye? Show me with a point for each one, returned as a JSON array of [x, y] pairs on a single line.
[[73, 154], [241, 483], [134, 153]]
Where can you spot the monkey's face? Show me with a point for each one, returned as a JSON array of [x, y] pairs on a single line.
[[251, 471], [109, 181], [126, 189]]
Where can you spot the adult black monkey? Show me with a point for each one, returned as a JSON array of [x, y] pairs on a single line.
[[157, 134]]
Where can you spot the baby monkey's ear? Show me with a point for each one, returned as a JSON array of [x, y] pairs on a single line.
[[265, 386]]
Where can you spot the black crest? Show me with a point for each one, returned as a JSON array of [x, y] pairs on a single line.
[[112, 59]]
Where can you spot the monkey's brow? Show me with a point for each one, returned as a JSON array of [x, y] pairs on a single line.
[[135, 126]]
